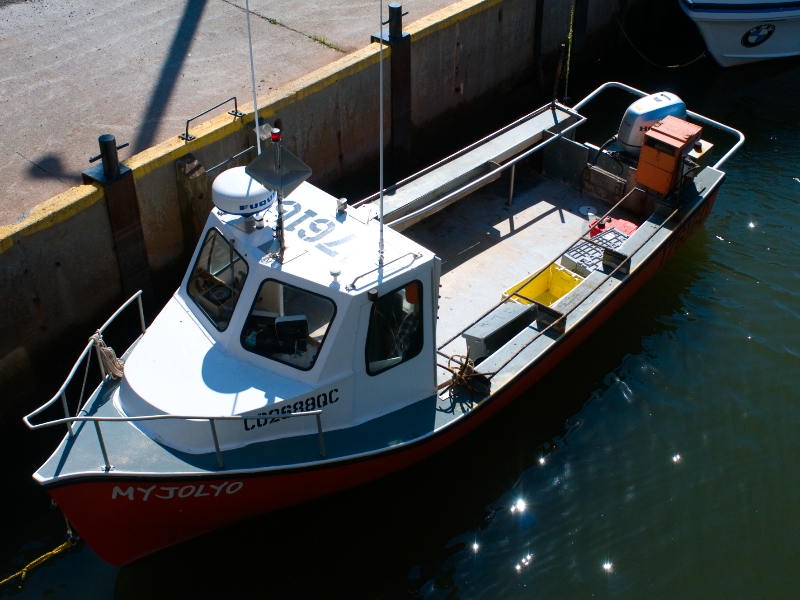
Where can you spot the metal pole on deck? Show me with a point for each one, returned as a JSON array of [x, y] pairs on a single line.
[[106, 464], [253, 76], [380, 137], [511, 189], [276, 139]]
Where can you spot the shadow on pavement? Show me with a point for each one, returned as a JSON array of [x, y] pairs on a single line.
[[169, 74]]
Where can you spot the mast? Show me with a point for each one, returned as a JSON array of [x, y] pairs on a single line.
[[276, 140], [253, 77], [380, 137]]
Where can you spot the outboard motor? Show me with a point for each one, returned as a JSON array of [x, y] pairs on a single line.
[[643, 114]]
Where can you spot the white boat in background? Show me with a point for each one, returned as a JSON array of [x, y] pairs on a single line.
[[744, 31]]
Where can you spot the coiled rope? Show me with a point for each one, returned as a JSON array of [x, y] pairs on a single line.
[[112, 365], [462, 369]]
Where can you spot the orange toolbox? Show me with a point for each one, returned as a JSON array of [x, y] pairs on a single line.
[[661, 159]]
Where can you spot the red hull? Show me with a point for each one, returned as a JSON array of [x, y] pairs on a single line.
[[125, 519]]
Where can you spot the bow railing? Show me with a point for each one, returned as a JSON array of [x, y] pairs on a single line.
[[62, 392], [70, 420]]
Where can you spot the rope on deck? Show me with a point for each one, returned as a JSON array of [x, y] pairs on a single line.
[[113, 365], [462, 369]]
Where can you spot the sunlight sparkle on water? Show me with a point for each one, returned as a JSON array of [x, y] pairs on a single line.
[[752, 224], [607, 566], [518, 567], [520, 505], [541, 460], [676, 458], [475, 546]]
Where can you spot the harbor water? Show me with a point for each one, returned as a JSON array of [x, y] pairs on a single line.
[[659, 461]]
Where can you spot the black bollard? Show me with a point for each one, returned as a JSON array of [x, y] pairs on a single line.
[[395, 21], [108, 154], [123, 212]]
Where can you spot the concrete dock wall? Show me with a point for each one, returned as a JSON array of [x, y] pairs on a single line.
[[58, 268]]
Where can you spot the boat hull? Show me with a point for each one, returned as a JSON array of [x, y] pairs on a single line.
[[125, 518], [746, 33]]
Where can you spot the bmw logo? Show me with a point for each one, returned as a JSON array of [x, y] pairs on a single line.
[[757, 36]]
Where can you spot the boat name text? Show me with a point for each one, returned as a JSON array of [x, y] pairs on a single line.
[[169, 492]]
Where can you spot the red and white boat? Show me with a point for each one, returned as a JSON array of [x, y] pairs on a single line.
[[292, 363]]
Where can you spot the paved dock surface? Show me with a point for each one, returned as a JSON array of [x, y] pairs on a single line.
[[137, 69]]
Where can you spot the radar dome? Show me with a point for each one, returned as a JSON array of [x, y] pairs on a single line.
[[235, 192]]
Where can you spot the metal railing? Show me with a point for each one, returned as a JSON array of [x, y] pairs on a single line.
[[516, 292], [428, 209], [694, 115], [560, 320], [463, 151], [582, 237], [62, 394], [69, 420], [352, 285], [107, 466], [475, 183], [236, 113], [421, 212]]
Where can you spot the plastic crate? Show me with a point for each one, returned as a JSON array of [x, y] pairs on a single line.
[[584, 257]]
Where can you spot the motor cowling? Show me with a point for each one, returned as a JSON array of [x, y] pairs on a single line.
[[643, 114]]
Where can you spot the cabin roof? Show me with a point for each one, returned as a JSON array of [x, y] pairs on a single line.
[[319, 240]]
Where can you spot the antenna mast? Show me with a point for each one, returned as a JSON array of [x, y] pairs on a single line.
[[380, 95], [253, 77], [276, 140]]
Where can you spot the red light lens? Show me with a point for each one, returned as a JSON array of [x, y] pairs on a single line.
[[276, 135]]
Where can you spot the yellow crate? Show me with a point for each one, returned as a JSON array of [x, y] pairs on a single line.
[[547, 287]]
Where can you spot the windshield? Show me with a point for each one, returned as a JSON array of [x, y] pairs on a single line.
[[287, 324], [217, 279]]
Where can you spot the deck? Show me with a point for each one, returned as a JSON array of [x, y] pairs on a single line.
[[487, 246]]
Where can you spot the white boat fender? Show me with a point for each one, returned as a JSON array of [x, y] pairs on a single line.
[[643, 114], [235, 192]]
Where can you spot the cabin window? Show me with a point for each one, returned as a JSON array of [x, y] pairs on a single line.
[[217, 279], [287, 324], [395, 328]]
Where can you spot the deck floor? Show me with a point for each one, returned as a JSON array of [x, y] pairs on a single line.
[[487, 247]]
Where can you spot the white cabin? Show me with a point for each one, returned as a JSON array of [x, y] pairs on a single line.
[[248, 334]]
